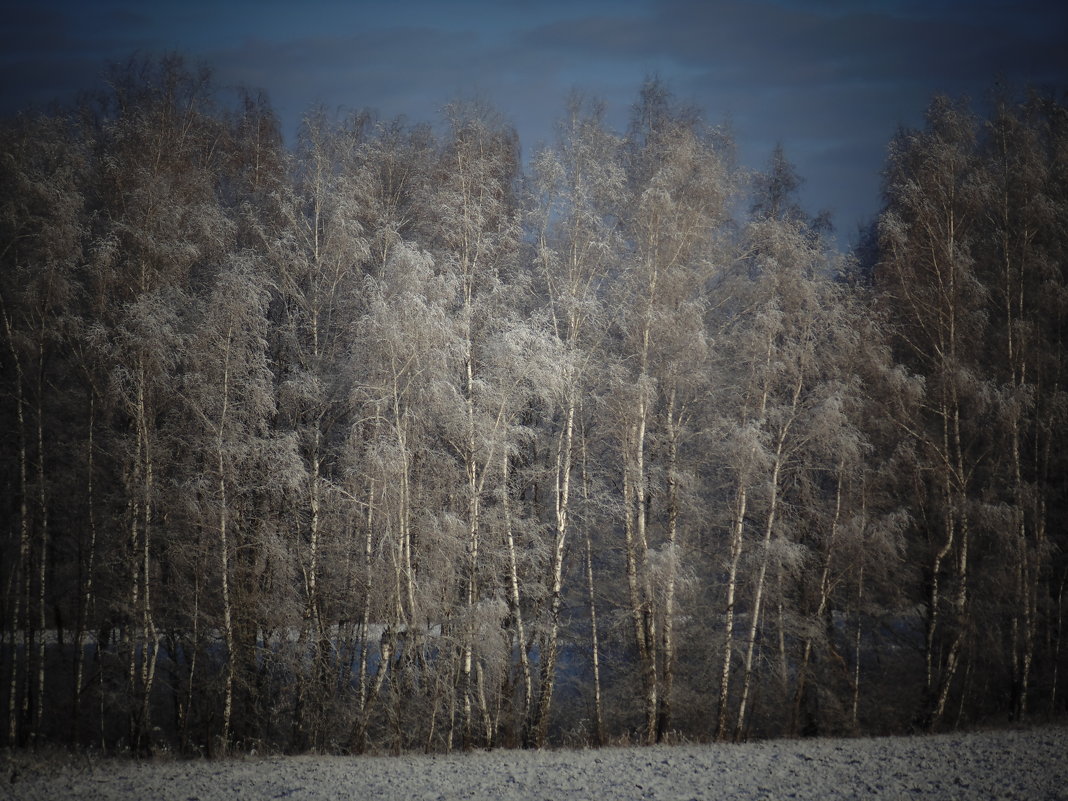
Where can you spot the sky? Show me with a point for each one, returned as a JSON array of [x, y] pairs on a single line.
[[830, 80]]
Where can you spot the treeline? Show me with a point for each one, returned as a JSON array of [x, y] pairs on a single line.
[[385, 441]]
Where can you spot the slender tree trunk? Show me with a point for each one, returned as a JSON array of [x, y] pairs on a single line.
[[595, 649], [488, 726], [737, 544], [224, 545], [821, 608], [21, 571], [141, 671], [638, 511], [737, 530], [471, 468], [191, 690], [758, 596], [636, 555], [855, 712], [358, 738], [562, 496], [42, 565], [1023, 623], [957, 648], [668, 634], [405, 510], [514, 597], [86, 595], [150, 637], [933, 671], [769, 528], [934, 604]]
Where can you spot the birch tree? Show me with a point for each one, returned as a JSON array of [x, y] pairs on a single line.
[[1017, 265], [318, 264], [158, 223], [407, 342], [927, 276], [677, 188], [474, 235], [578, 189], [43, 228], [228, 394]]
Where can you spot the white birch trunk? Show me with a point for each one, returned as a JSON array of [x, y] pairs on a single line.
[[769, 528], [224, 545], [562, 496], [514, 598], [821, 607], [668, 636], [22, 569]]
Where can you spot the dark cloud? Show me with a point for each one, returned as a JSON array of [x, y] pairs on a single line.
[[829, 79], [397, 71]]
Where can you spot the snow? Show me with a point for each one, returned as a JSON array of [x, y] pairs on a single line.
[[1027, 764]]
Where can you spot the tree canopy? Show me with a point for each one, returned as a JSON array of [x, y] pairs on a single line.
[[392, 441]]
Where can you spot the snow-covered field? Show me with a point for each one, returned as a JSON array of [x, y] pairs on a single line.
[[1029, 764]]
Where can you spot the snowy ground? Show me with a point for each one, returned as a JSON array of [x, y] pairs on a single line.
[[1022, 764]]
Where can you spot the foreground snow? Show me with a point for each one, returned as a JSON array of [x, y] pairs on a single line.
[[1022, 764]]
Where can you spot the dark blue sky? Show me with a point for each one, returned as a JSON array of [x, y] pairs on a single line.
[[830, 79]]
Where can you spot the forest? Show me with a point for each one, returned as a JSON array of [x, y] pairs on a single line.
[[396, 439]]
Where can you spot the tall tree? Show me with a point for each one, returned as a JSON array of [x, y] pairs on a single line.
[[42, 238], [158, 223], [677, 189], [228, 394], [318, 266], [578, 189], [473, 229], [928, 279]]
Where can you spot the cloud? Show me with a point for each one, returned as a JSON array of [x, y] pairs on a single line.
[[830, 79]]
